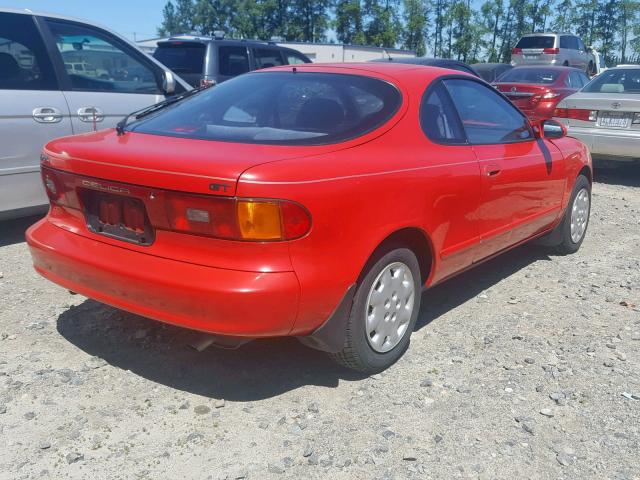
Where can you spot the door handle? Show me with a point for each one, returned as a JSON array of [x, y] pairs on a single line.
[[492, 170], [46, 115], [90, 114]]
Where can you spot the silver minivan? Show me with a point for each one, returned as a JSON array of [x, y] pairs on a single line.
[[562, 49], [60, 76]]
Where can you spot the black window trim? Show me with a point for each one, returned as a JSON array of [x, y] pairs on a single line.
[[425, 96], [495, 91], [58, 62]]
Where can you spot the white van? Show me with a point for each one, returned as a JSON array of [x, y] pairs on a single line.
[[60, 76]]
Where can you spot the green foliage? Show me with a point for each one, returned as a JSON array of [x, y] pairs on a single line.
[[462, 29]]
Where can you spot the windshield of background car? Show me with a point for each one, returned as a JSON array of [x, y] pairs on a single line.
[[281, 108], [536, 42], [530, 75], [187, 57], [624, 80]]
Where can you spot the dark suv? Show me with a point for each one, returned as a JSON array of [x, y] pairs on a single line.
[[207, 60]]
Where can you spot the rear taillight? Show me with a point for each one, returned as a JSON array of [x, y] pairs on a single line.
[[551, 51], [237, 218], [516, 50], [577, 114], [636, 118]]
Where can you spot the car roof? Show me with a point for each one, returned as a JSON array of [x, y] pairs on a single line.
[[545, 34], [476, 66], [226, 41], [624, 66], [390, 69], [561, 68], [26, 11]]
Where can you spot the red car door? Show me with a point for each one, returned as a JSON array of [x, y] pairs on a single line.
[[523, 178]]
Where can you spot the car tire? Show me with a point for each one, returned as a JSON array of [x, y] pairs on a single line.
[[377, 336], [573, 227]]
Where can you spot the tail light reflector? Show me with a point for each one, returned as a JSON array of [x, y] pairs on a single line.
[[551, 51], [516, 50], [577, 114]]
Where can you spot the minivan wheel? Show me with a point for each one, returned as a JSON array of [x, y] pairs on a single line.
[[384, 313], [576, 217]]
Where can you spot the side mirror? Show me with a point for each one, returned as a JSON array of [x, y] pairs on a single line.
[[549, 129], [168, 82]]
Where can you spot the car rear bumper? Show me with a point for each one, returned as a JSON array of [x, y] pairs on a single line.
[[609, 143], [221, 301]]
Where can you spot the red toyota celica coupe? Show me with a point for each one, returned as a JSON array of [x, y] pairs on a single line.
[[314, 201]]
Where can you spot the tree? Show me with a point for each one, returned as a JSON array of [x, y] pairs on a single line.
[[492, 15], [177, 18], [383, 25], [348, 22], [414, 34], [563, 21], [461, 29], [308, 20], [607, 21], [629, 10]]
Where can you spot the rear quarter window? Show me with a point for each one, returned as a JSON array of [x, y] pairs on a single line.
[[182, 57], [281, 108]]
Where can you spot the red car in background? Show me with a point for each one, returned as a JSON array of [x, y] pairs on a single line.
[[537, 90], [313, 201]]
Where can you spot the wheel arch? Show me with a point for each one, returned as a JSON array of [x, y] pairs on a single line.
[[586, 171], [414, 238]]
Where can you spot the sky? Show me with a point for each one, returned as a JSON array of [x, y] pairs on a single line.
[[126, 17]]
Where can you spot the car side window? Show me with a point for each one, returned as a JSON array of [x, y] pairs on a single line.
[[581, 44], [268, 57], [487, 117], [294, 58], [233, 60], [438, 118], [564, 42], [24, 63], [95, 62]]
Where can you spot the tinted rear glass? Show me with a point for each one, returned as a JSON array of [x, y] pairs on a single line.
[[281, 108], [530, 75], [536, 42], [624, 80], [181, 57]]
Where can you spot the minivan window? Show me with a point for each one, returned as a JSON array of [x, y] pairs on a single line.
[[268, 57], [281, 108], [623, 80], [530, 75], [294, 58], [538, 41], [24, 64], [181, 57], [94, 62], [233, 60]]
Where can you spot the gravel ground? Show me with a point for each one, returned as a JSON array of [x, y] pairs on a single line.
[[525, 367]]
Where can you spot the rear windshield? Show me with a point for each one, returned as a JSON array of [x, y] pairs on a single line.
[[281, 108], [530, 75], [536, 42], [615, 81], [181, 57]]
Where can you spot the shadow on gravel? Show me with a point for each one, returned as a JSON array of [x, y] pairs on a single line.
[[12, 231], [626, 175], [260, 369], [454, 292]]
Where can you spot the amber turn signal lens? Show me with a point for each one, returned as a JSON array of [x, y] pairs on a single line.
[[259, 220]]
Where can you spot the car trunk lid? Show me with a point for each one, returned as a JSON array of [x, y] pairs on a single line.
[[614, 111], [521, 94], [188, 165]]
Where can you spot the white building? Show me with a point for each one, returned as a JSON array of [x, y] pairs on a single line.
[[320, 52]]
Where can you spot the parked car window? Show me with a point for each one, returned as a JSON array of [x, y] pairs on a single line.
[[294, 58], [268, 57], [280, 108], [564, 41], [486, 116], [181, 57], [24, 64], [623, 80], [581, 45], [576, 80], [438, 118], [530, 75], [94, 62], [538, 41], [233, 60]]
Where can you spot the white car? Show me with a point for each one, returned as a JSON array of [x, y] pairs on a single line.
[[60, 76], [559, 49], [605, 114]]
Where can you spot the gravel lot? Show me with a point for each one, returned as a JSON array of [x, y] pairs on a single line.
[[526, 367]]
